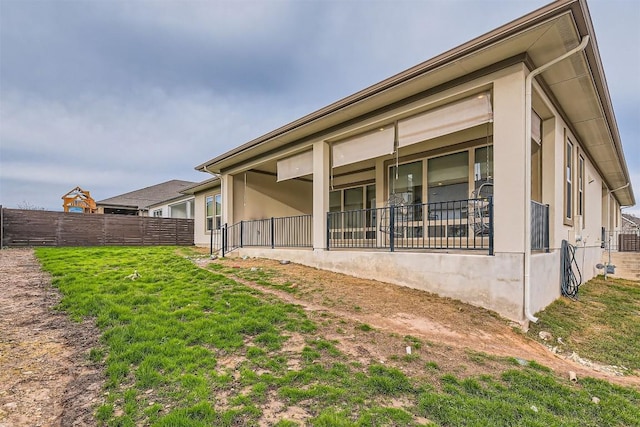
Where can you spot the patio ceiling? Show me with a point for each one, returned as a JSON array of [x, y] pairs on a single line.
[[577, 84]]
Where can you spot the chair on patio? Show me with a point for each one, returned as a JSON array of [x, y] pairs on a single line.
[[401, 211], [478, 209]]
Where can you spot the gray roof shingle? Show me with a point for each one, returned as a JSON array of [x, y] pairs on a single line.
[[145, 197]]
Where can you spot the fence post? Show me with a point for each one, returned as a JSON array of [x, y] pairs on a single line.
[[241, 231], [392, 228], [273, 228], [490, 225]]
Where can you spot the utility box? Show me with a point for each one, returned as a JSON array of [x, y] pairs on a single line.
[[611, 269]]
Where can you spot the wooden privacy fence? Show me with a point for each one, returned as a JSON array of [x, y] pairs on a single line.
[[628, 243], [44, 228]]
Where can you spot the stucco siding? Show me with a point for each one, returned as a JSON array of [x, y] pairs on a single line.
[[259, 196]]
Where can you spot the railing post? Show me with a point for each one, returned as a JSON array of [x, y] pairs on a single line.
[[490, 225], [546, 229], [328, 229], [392, 228], [241, 232], [273, 228], [224, 239]]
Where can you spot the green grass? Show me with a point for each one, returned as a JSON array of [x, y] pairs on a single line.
[[184, 346], [603, 325]]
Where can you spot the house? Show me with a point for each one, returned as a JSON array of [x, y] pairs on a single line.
[[207, 206], [461, 176], [161, 200], [630, 224]]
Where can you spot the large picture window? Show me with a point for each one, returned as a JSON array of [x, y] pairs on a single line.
[[355, 200], [407, 182], [483, 166], [448, 177]]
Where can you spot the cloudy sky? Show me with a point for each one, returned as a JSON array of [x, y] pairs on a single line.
[[117, 95]]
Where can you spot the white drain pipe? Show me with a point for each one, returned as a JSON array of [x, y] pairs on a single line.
[[527, 174]]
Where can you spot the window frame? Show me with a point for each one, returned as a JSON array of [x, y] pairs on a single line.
[[581, 188], [216, 217], [569, 171]]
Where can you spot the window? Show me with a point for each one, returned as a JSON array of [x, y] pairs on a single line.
[[483, 167], [354, 200], [581, 187], [569, 181], [448, 177], [407, 182], [157, 213], [213, 212]]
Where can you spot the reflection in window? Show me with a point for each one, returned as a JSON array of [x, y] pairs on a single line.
[[448, 177], [408, 183], [483, 168]]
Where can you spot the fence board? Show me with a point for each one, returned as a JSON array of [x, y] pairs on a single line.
[[45, 228]]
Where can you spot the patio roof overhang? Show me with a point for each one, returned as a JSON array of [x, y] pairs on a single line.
[[577, 85]]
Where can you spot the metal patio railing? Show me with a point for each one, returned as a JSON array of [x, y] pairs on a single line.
[[539, 226], [459, 224], [281, 232]]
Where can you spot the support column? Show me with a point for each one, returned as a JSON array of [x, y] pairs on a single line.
[[508, 168], [320, 194], [552, 175], [381, 199], [226, 189]]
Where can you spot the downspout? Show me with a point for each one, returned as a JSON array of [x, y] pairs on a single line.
[[527, 173]]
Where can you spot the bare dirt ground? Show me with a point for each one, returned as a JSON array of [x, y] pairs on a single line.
[[403, 311], [45, 376]]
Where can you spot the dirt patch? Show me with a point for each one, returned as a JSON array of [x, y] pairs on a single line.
[[46, 378], [455, 327]]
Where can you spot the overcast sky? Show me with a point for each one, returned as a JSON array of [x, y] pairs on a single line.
[[114, 96]]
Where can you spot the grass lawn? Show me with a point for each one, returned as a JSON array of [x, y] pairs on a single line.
[[185, 346], [603, 325]]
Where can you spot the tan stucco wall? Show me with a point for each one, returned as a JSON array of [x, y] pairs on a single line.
[[486, 281], [263, 197], [201, 236]]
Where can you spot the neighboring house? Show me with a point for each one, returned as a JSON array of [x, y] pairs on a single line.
[[161, 200], [208, 211], [630, 224], [460, 176]]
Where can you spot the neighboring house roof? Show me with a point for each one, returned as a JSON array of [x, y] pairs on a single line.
[[145, 197], [633, 220], [578, 85]]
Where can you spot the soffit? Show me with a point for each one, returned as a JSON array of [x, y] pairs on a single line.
[[582, 97]]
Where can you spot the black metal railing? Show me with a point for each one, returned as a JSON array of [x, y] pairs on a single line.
[[539, 227], [458, 224], [282, 232]]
